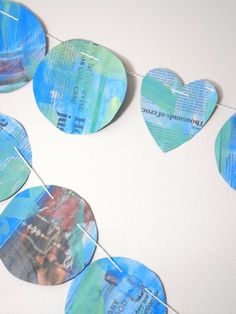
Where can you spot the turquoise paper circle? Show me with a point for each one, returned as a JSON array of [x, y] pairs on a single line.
[[174, 112], [13, 171], [80, 86], [40, 241], [102, 288], [225, 151], [22, 45]]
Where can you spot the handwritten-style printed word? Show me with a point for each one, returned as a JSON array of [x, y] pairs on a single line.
[[172, 117]]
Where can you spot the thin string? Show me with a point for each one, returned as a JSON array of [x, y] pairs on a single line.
[[35, 172], [134, 74], [97, 244], [139, 76], [228, 107], [29, 165], [8, 15]]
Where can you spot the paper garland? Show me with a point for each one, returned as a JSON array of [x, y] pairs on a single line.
[[13, 172], [80, 86], [40, 241], [22, 45], [225, 151], [174, 112], [103, 289]]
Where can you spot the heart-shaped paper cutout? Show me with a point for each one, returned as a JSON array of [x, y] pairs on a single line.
[[175, 112], [225, 151]]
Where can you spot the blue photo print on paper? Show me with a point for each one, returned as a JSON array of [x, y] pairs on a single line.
[[40, 241], [80, 86], [13, 170], [22, 45], [174, 112], [225, 151], [103, 288]]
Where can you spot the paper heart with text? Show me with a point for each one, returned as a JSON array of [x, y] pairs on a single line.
[[174, 112]]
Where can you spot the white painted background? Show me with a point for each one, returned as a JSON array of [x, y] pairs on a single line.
[[172, 212]]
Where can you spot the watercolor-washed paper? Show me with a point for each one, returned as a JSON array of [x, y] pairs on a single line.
[[225, 151], [40, 241], [22, 45], [13, 171], [174, 112], [80, 86], [108, 290]]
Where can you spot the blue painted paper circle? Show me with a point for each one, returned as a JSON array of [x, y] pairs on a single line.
[[22, 45], [80, 86], [102, 288], [40, 241], [225, 151], [174, 112], [13, 171]]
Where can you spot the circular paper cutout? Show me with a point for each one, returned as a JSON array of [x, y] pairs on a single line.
[[225, 151], [40, 241], [104, 288], [80, 86], [13, 171], [22, 45]]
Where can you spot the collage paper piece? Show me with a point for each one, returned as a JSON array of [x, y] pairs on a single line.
[[108, 290], [174, 112], [22, 45], [225, 151], [13, 171], [80, 86], [40, 241]]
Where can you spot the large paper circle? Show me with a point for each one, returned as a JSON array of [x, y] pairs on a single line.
[[13, 171], [40, 241], [103, 289], [174, 112], [22, 45], [225, 151], [80, 86]]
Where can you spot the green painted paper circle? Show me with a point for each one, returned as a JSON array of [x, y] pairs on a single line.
[[80, 86]]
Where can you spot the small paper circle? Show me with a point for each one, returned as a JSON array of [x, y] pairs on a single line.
[[105, 288], [13, 171], [80, 86], [22, 45], [40, 241]]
